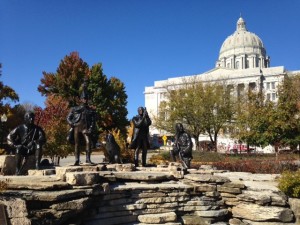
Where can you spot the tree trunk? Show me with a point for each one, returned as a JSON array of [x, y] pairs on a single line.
[[56, 160]]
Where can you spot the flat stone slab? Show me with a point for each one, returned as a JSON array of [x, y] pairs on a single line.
[[266, 223], [175, 185], [263, 197], [44, 172], [158, 218], [143, 176], [82, 178], [244, 176], [206, 178], [258, 213], [253, 181], [35, 182], [120, 167], [51, 196]]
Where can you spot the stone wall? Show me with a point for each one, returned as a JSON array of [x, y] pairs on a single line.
[[122, 194]]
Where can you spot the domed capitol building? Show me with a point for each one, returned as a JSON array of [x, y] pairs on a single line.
[[242, 64]]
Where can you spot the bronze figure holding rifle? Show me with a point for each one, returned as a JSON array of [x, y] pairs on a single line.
[[28, 139], [82, 120]]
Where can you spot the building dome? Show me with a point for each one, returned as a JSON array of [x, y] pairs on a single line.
[[242, 50]]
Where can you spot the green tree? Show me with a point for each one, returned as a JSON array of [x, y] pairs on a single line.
[[203, 108], [261, 122], [250, 119], [110, 100], [218, 109], [182, 105], [117, 111], [6, 94], [288, 111]]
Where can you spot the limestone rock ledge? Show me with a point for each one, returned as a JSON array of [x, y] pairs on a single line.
[[169, 195]]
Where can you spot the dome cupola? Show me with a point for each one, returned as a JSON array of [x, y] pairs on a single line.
[[242, 50]]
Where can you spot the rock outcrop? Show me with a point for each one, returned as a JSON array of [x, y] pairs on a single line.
[[122, 194]]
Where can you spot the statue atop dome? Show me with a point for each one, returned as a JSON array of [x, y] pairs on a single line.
[[241, 25]]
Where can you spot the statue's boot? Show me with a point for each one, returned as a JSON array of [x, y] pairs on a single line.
[[77, 154], [18, 164], [136, 162], [37, 158], [136, 157], [88, 157], [144, 158], [172, 156], [187, 162]]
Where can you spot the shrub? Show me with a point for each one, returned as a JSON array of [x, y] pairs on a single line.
[[255, 165], [126, 154], [206, 157], [289, 183], [163, 156]]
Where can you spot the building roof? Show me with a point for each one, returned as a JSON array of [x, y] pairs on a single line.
[[242, 42]]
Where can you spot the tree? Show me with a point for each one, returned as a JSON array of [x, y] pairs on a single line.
[[53, 120], [257, 121], [67, 80], [107, 96], [117, 111], [181, 105], [203, 108], [110, 100], [15, 116], [6, 94], [288, 110], [218, 109], [262, 122]]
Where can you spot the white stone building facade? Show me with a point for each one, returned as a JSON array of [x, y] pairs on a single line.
[[242, 64]]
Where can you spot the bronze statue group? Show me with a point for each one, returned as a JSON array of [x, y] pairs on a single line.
[[28, 138]]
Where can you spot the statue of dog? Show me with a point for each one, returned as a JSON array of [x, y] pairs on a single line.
[[112, 149]]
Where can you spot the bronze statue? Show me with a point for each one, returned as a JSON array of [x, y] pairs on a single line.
[[140, 138], [182, 146], [28, 139], [83, 123]]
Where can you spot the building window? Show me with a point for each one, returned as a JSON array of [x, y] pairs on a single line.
[[237, 64], [252, 86], [273, 85], [241, 89], [268, 97], [162, 96], [163, 115], [268, 86], [273, 96], [257, 62]]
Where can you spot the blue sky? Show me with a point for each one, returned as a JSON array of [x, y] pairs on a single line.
[[138, 41]]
